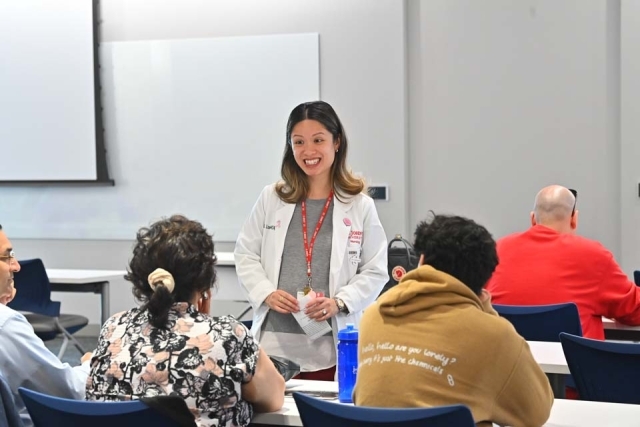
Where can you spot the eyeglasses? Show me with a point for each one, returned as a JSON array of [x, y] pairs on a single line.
[[11, 257], [575, 196]]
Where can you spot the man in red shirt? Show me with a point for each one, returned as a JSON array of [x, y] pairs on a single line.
[[550, 264]]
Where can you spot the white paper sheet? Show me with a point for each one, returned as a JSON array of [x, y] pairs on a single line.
[[311, 327]]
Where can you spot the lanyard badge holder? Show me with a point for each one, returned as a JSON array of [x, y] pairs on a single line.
[[311, 327], [308, 246]]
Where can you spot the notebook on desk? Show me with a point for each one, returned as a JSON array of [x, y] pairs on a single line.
[[321, 389]]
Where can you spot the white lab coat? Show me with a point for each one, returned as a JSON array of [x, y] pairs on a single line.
[[356, 275]]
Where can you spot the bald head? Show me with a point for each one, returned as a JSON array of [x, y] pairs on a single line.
[[553, 208]]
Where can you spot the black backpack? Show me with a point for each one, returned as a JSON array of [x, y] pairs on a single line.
[[400, 260]]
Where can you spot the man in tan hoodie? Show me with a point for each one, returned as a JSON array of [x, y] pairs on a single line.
[[434, 339]]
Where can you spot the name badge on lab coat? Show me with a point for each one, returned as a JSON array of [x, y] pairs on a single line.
[[354, 254]]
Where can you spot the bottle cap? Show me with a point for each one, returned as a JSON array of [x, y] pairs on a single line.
[[348, 333]]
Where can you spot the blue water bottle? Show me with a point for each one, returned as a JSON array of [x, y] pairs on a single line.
[[347, 362]]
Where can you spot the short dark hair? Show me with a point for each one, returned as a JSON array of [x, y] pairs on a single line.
[[0, 226], [458, 246], [183, 248]]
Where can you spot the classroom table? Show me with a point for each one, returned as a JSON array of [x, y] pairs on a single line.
[[614, 330], [94, 281], [225, 259], [550, 358], [564, 413], [97, 281]]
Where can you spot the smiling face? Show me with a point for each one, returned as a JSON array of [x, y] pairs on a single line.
[[314, 149], [8, 266]]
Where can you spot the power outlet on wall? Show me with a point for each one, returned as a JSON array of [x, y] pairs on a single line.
[[379, 192]]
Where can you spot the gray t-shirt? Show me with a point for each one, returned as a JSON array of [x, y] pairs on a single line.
[[293, 269]]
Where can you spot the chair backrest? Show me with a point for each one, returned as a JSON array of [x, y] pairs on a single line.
[[247, 323], [34, 290], [603, 371], [542, 322], [54, 411], [636, 277], [316, 412]]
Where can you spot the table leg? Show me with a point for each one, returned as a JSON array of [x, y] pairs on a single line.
[[557, 385], [104, 299]]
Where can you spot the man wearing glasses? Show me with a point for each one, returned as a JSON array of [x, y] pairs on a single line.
[[7, 268], [24, 359], [550, 264]]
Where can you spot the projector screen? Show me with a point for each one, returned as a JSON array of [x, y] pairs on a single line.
[[50, 124], [194, 126]]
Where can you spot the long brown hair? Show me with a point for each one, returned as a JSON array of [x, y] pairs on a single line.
[[294, 186]]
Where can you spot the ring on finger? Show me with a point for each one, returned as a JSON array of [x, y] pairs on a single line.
[[280, 299], [324, 312]]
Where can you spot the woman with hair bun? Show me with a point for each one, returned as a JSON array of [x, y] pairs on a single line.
[[171, 346]]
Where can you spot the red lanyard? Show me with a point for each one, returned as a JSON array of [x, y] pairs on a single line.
[[308, 247]]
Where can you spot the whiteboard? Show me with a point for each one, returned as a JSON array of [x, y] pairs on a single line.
[[47, 104], [195, 127]]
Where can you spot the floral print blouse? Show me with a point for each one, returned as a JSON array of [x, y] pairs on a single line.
[[202, 359]]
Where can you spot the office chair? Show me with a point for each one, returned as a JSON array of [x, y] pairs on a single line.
[[33, 298], [315, 412], [603, 371], [542, 322], [47, 411]]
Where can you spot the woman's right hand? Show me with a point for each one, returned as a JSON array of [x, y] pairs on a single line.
[[282, 302]]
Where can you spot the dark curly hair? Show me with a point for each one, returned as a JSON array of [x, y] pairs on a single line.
[[183, 248], [458, 246]]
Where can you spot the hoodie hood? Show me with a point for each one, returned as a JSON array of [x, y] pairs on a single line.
[[425, 288]]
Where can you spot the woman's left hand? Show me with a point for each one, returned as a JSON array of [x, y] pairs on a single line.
[[321, 308]]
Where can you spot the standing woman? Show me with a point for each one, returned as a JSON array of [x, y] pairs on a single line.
[[314, 228]]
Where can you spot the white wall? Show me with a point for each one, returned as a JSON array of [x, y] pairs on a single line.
[[460, 106], [510, 97], [362, 65], [362, 74], [630, 135]]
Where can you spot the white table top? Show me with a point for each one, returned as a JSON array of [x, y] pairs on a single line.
[[311, 386], [614, 325], [549, 356], [73, 276], [580, 413], [80, 276], [565, 413], [225, 259]]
